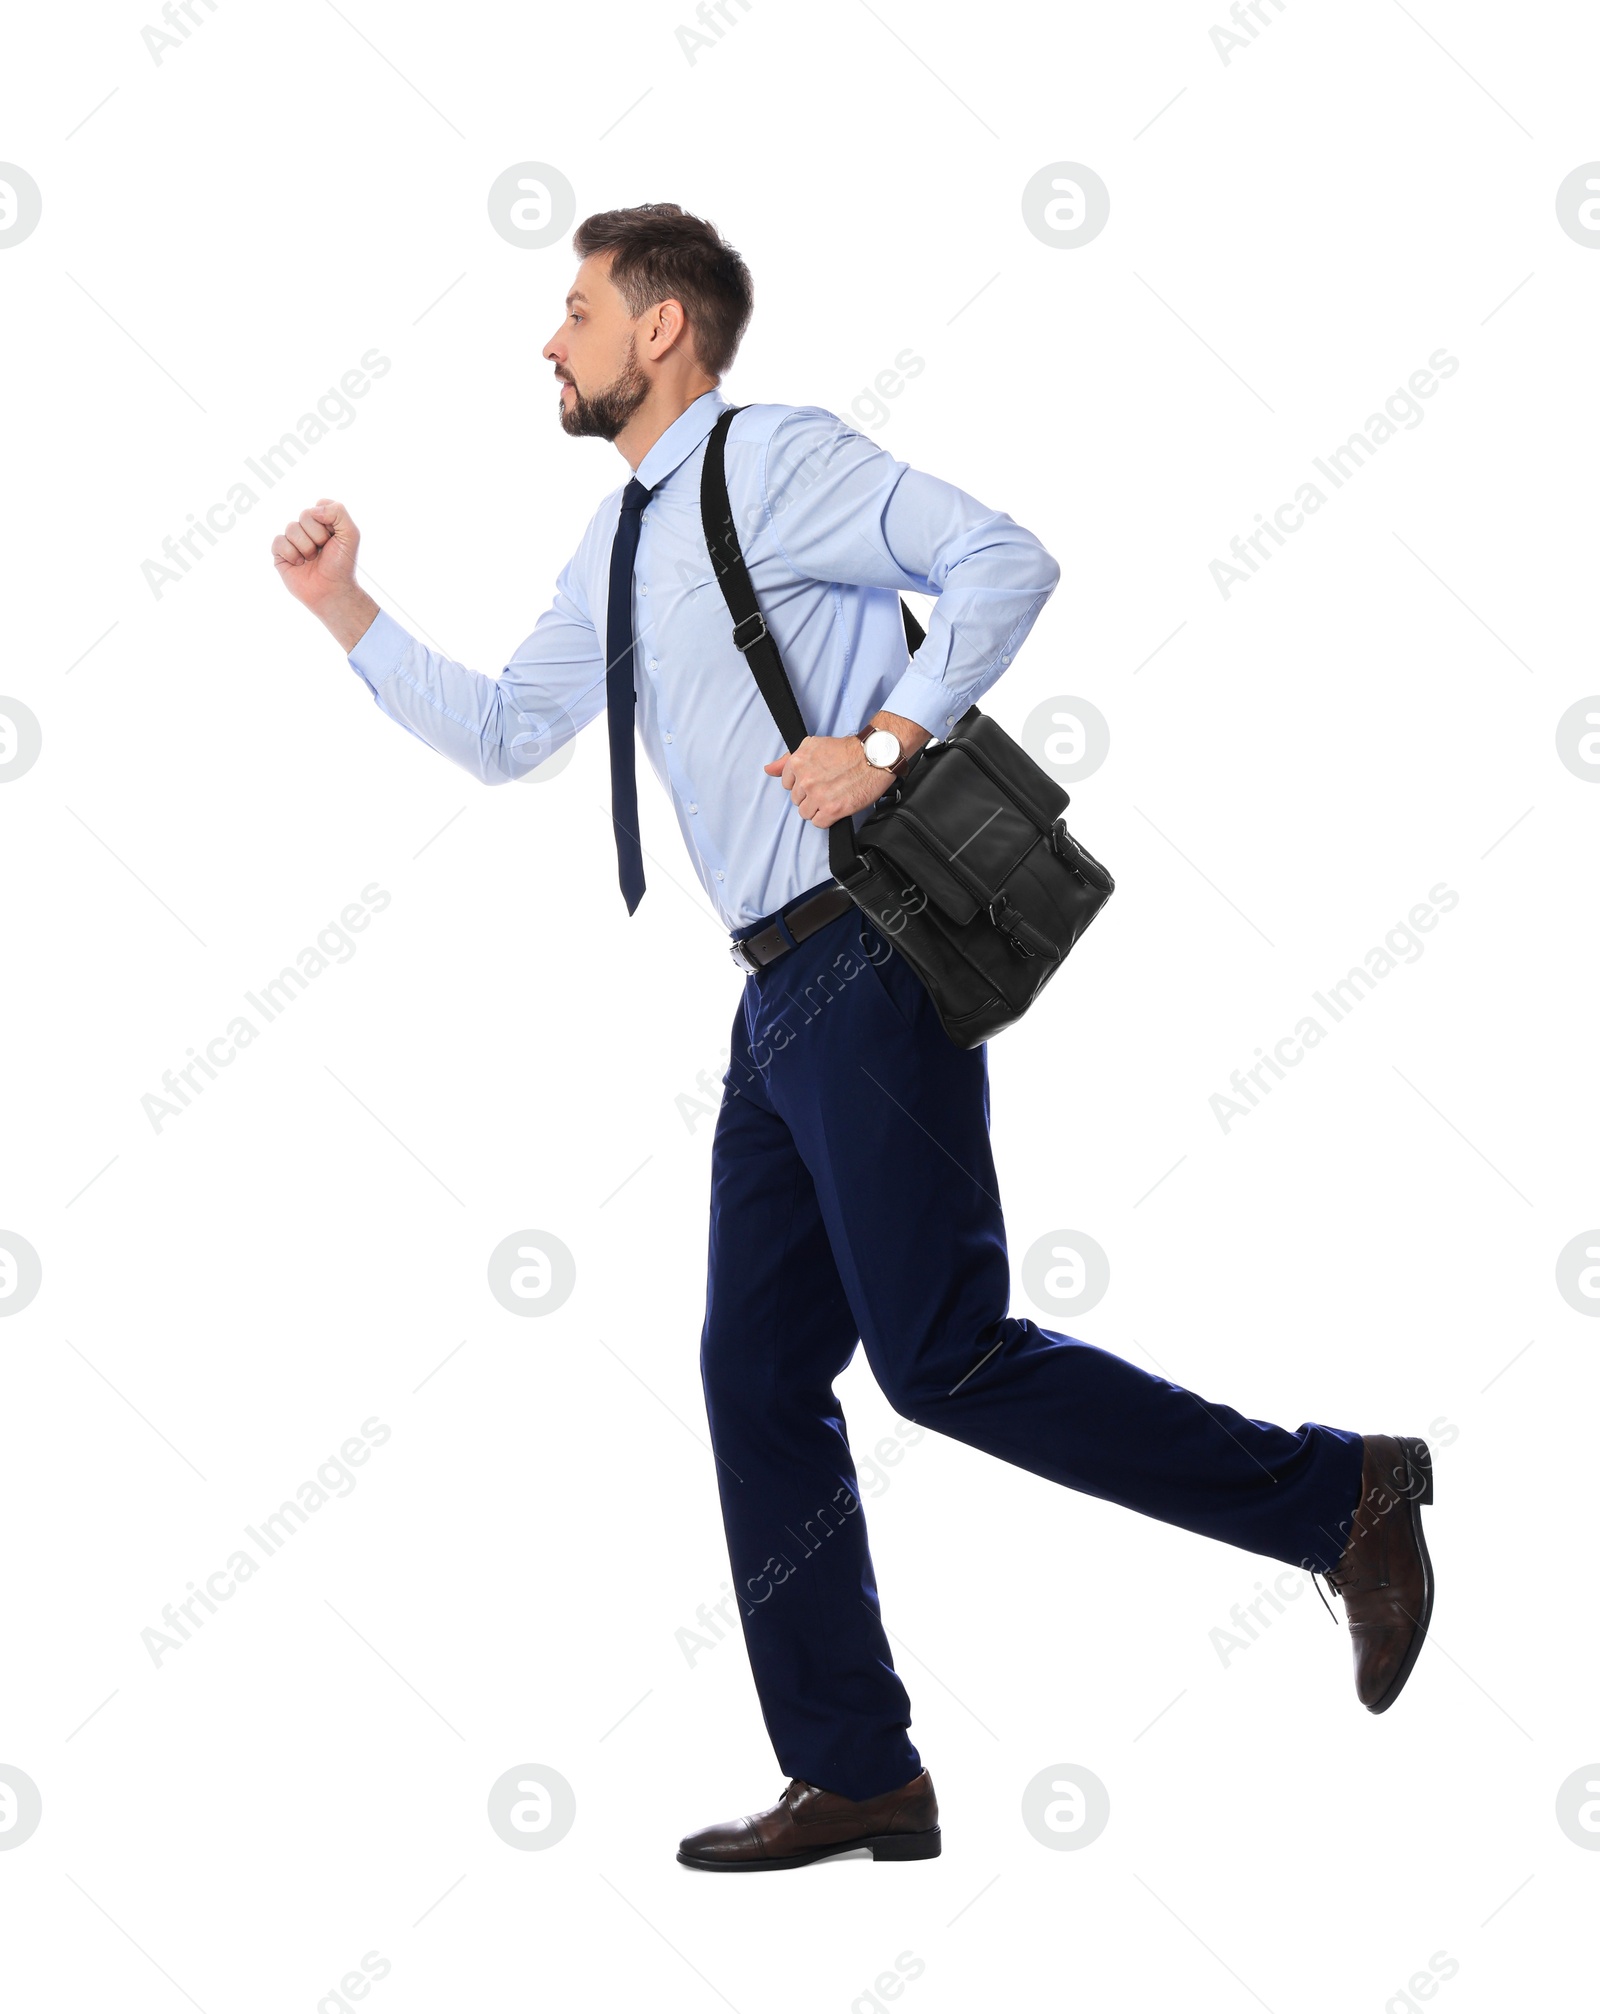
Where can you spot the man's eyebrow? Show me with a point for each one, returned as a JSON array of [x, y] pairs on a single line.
[[576, 296]]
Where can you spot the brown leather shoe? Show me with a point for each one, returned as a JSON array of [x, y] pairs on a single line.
[[809, 1824], [1384, 1573]]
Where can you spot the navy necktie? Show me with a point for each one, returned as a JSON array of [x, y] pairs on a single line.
[[620, 696]]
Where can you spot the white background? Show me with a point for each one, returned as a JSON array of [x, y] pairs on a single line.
[[225, 1300]]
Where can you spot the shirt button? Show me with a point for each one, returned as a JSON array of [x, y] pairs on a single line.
[[650, 661], [694, 807], [644, 587], [719, 874], [666, 737], [1005, 657]]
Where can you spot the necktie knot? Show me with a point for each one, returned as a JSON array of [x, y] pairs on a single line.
[[635, 496]]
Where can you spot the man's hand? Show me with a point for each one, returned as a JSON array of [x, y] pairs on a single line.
[[828, 777], [316, 561]]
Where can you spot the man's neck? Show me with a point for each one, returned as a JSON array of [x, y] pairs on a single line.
[[653, 418]]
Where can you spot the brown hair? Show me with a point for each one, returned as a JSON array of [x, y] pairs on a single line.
[[661, 253]]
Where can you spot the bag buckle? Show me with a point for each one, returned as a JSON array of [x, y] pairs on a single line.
[[1061, 842], [1003, 901], [760, 631]]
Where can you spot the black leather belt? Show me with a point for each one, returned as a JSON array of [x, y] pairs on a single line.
[[752, 954]]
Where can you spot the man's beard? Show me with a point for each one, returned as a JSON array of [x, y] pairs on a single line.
[[609, 411]]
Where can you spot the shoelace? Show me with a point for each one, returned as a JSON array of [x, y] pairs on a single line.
[[1328, 1605]]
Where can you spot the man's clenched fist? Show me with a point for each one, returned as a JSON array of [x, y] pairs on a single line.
[[828, 777], [316, 561], [317, 553]]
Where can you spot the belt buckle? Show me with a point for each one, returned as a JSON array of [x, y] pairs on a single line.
[[740, 957]]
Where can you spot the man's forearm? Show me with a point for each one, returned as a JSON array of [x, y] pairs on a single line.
[[348, 616]]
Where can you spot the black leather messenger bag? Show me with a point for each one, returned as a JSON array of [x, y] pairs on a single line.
[[965, 865]]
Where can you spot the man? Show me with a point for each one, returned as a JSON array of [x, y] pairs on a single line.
[[853, 1193]]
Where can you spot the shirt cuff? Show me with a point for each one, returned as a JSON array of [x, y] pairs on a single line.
[[381, 650], [927, 701]]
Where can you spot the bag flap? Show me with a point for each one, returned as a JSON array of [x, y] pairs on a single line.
[[972, 824], [905, 851], [984, 742]]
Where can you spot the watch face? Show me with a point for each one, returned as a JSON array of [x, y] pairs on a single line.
[[883, 748]]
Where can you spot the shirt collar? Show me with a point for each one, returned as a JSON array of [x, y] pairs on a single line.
[[681, 439]]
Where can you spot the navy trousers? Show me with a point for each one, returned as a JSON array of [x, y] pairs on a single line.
[[854, 1198]]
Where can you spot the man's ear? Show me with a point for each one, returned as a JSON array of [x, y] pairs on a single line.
[[670, 328]]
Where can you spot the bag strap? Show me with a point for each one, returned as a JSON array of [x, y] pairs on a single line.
[[751, 636]]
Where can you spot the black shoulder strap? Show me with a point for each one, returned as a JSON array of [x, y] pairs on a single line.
[[750, 633]]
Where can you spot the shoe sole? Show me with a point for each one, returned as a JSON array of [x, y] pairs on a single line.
[[1419, 1462], [882, 1846]]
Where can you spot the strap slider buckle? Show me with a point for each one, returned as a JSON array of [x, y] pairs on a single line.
[[749, 642]]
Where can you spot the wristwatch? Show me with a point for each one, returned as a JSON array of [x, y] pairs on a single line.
[[882, 749]]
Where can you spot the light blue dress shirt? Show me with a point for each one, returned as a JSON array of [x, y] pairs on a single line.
[[832, 528]]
